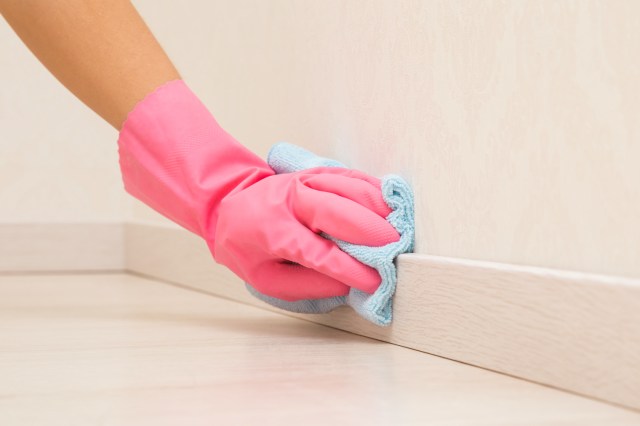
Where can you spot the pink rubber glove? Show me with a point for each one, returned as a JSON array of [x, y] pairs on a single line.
[[175, 158]]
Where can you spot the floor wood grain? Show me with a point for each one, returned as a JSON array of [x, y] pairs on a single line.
[[117, 349], [570, 330]]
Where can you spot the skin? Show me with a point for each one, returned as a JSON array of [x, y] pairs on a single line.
[[101, 50]]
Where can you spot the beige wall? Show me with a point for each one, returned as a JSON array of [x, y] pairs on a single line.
[[517, 122], [58, 160]]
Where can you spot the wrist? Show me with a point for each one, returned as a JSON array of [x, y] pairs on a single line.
[[176, 158]]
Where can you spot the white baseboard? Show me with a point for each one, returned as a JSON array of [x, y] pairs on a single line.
[[39, 247], [574, 331]]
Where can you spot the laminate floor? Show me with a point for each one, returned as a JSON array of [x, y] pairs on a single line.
[[119, 349]]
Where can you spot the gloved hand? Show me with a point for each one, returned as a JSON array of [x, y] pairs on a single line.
[[175, 158]]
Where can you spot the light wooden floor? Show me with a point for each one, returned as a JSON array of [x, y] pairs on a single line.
[[117, 349]]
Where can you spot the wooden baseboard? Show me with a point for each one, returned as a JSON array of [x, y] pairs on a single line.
[[574, 331], [40, 247]]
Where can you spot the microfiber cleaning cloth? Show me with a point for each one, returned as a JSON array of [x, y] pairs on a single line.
[[376, 307]]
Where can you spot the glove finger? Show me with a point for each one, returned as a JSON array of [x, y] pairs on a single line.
[[341, 218], [343, 171], [358, 190], [292, 282], [315, 252]]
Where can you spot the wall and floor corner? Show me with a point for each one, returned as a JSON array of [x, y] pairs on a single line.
[[517, 124]]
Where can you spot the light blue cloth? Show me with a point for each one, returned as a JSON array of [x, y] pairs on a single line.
[[377, 307]]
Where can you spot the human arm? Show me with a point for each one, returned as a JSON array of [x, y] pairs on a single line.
[[102, 51]]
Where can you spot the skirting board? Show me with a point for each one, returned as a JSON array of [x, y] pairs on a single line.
[[574, 331], [46, 247]]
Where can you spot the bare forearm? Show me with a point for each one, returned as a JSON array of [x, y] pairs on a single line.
[[101, 50]]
